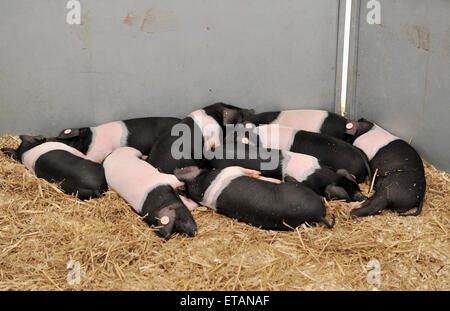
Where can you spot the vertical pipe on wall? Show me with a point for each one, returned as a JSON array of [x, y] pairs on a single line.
[[345, 55]]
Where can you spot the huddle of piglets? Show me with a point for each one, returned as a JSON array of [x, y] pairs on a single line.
[[320, 154]]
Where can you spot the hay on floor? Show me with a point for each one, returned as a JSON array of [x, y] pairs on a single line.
[[42, 230]]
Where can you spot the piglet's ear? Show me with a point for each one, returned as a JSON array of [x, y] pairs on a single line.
[[231, 116], [28, 139], [346, 174], [336, 192], [69, 133], [351, 128], [363, 126], [10, 152], [289, 178], [187, 174], [165, 219]]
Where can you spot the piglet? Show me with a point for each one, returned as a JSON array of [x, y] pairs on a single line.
[[317, 121], [400, 181], [331, 151], [201, 131], [231, 192], [149, 192], [99, 141], [303, 168], [59, 163]]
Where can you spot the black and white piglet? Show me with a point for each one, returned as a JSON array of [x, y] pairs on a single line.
[[281, 164], [149, 192], [231, 192], [60, 163], [199, 132], [400, 181], [317, 121], [99, 141], [330, 151]]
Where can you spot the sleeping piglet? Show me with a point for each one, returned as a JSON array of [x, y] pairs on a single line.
[[60, 163], [149, 192], [304, 168], [231, 192], [201, 131], [99, 141], [400, 181], [329, 150], [317, 121]]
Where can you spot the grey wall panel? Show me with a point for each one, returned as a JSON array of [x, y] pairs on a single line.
[[155, 58], [403, 79]]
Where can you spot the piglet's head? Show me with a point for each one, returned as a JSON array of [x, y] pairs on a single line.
[[355, 129], [28, 142], [243, 134], [229, 114], [175, 218], [78, 138], [191, 176]]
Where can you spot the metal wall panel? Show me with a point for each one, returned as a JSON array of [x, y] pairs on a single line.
[[403, 74], [155, 58]]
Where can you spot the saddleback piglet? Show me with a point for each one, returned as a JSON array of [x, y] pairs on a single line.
[[99, 141], [332, 152], [317, 121], [400, 181], [264, 204], [304, 168], [60, 163], [205, 129], [149, 192]]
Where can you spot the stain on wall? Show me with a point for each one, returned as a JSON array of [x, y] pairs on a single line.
[[146, 25], [151, 21], [419, 36], [130, 19], [82, 31]]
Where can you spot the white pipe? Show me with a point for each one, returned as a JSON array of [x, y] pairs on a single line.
[[348, 17]]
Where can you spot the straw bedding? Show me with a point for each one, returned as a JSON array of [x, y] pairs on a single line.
[[42, 229]]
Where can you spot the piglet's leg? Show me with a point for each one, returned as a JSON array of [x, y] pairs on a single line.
[[251, 173], [257, 174], [190, 204], [272, 180]]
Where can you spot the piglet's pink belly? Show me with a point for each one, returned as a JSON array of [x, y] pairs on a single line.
[[299, 165], [303, 119], [276, 136], [105, 139], [374, 140], [29, 157], [132, 177]]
